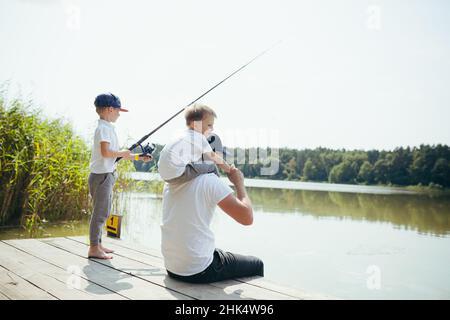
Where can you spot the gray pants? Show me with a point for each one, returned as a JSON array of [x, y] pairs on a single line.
[[193, 170], [100, 188]]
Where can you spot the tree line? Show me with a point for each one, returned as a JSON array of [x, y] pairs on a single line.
[[426, 165]]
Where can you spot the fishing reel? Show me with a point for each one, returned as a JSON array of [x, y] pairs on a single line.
[[142, 151], [215, 143], [146, 150]]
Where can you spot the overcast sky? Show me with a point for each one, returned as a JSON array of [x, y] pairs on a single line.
[[347, 74]]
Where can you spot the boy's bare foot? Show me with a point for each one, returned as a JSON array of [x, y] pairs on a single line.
[[96, 252], [105, 249]]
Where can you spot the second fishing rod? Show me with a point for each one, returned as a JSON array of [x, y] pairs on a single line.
[[148, 149]]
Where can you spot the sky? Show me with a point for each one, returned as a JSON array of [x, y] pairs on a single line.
[[351, 74]]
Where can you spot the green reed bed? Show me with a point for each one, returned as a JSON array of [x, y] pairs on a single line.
[[43, 168]]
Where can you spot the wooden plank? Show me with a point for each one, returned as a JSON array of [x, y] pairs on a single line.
[[3, 297], [254, 281], [234, 287], [124, 244], [123, 251], [260, 282], [63, 284], [210, 290], [15, 288], [102, 274], [152, 272]]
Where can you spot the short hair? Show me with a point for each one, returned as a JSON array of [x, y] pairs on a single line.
[[197, 111], [100, 109]]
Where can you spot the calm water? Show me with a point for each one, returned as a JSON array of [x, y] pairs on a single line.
[[346, 245]]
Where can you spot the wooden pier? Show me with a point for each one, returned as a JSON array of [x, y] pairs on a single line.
[[58, 269]]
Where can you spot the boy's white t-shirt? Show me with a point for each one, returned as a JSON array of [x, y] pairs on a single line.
[[177, 154], [187, 242], [105, 132]]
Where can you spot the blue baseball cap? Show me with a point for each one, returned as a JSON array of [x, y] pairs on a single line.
[[108, 100]]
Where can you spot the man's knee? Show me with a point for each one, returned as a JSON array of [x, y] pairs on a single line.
[[260, 268], [255, 266]]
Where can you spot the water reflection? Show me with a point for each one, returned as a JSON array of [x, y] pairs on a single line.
[[423, 213], [313, 240]]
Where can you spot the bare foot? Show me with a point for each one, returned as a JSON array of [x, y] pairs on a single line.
[[96, 252], [105, 249]]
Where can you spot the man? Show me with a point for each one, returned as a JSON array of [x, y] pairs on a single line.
[[187, 242]]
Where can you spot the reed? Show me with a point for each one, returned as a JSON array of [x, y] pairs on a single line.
[[43, 168]]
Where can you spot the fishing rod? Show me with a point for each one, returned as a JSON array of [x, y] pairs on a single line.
[[148, 149]]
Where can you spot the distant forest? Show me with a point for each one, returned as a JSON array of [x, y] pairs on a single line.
[[423, 166]]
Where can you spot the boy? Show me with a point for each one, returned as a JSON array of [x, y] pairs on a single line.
[[184, 159], [103, 169]]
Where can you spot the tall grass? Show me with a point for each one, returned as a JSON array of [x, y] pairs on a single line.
[[43, 168]]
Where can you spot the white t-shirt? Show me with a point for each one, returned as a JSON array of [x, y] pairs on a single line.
[[177, 154], [105, 132], [187, 242]]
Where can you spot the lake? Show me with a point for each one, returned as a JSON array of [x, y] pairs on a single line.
[[380, 245]]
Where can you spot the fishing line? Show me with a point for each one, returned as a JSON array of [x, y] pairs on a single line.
[[148, 149]]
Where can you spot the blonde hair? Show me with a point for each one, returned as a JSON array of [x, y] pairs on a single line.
[[197, 112]]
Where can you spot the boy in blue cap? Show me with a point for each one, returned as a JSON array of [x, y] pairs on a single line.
[[103, 169]]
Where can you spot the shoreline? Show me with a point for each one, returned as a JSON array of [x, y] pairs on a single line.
[[315, 186]]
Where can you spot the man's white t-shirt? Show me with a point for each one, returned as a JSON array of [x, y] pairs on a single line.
[[105, 132], [177, 154], [187, 242]]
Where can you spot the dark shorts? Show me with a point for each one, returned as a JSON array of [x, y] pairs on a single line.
[[225, 265]]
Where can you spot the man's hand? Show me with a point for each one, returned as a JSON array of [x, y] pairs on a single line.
[[235, 176], [239, 207]]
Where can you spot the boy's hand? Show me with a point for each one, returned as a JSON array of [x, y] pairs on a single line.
[[235, 176], [146, 158], [126, 154]]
